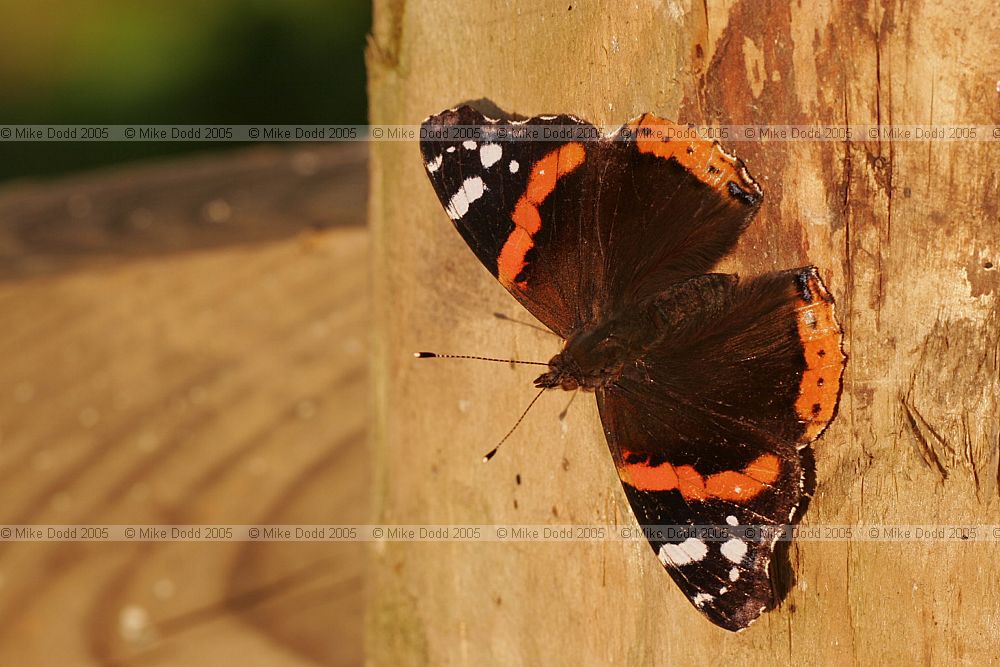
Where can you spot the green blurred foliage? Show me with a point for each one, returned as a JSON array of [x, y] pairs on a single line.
[[181, 61]]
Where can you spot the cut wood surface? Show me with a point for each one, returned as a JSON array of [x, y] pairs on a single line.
[[185, 343], [905, 234]]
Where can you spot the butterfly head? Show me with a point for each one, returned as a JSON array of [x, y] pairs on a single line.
[[589, 360]]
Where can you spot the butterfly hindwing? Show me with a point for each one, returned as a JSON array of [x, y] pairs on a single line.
[[706, 429]]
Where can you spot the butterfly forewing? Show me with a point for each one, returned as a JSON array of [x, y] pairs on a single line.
[[582, 226], [516, 203]]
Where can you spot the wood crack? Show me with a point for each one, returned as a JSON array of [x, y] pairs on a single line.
[[924, 447]]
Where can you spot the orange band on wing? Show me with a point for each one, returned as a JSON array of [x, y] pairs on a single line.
[[527, 220], [650, 478], [690, 483], [821, 339], [511, 260], [706, 160], [526, 216], [727, 485], [754, 478]]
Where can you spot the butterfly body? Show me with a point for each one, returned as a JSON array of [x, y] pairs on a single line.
[[598, 356], [708, 385]]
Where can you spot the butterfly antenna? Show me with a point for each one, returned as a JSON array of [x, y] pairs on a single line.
[[492, 452], [508, 318], [435, 355]]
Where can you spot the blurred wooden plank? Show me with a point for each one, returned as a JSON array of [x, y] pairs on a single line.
[[211, 200], [223, 384]]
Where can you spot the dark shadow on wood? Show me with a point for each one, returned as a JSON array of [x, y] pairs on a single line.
[[782, 573]]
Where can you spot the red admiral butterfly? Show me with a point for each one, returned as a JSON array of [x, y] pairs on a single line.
[[709, 387]]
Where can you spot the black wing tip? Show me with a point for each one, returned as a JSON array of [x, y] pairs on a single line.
[[484, 111], [741, 620], [747, 190], [750, 197], [478, 111], [810, 285]]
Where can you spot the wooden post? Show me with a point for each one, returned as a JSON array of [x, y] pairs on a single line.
[[904, 232]]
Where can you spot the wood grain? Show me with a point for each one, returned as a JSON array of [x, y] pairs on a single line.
[[905, 235], [205, 367]]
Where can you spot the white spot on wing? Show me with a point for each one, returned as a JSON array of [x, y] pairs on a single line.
[[734, 549], [690, 550], [471, 190], [732, 521], [514, 166], [450, 149], [469, 145], [694, 548], [701, 598], [435, 164], [671, 554], [734, 574], [490, 154]]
